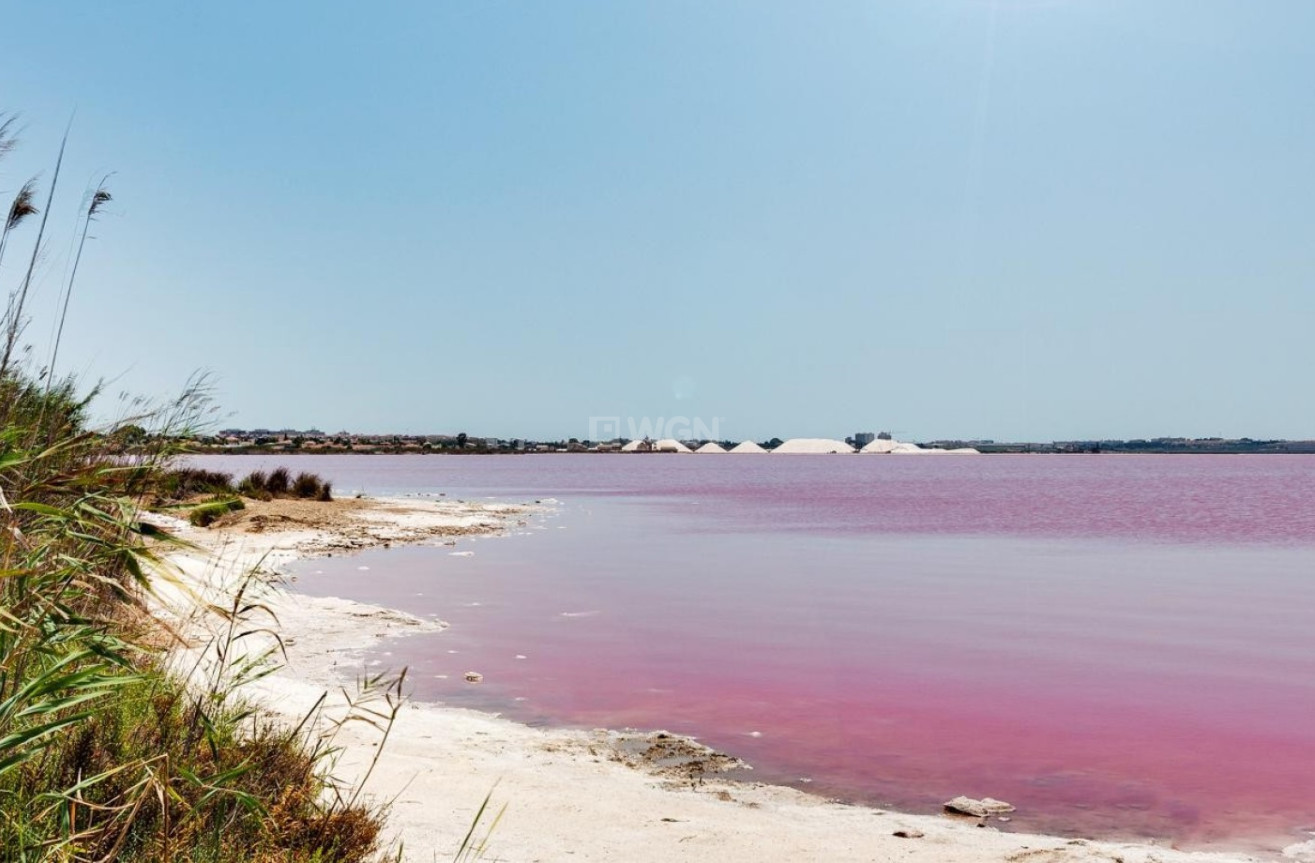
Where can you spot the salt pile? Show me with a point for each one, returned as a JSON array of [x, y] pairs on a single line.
[[812, 446], [914, 449], [711, 446], [895, 447], [635, 446], [747, 446], [670, 445]]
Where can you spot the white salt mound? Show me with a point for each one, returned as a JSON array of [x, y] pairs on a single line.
[[711, 446], [912, 449], [670, 445], [633, 446], [813, 446], [895, 447], [747, 446]]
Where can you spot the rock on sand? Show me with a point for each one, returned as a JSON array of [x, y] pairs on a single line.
[[979, 808]]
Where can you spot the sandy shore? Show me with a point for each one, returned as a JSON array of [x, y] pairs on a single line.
[[569, 795]]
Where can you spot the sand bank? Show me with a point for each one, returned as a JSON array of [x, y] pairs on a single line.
[[569, 795]]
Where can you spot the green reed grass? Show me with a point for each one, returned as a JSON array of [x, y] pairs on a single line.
[[104, 755]]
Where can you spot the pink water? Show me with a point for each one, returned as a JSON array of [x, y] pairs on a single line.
[[1118, 645]]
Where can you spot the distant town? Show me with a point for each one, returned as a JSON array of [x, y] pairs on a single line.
[[314, 441]]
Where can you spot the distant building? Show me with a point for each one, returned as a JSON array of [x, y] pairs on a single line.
[[862, 439]]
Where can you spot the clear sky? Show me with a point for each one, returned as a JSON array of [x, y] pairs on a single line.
[[944, 218]]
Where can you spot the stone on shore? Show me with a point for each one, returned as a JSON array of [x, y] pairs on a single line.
[[983, 808]]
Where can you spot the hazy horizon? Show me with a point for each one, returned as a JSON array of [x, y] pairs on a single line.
[[995, 219], [479, 434]]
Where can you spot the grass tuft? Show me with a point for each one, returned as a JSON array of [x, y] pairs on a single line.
[[253, 486], [179, 484], [278, 483], [208, 513], [306, 485]]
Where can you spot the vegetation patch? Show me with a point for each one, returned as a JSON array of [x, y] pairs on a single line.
[[104, 755], [182, 483], [279, 483], [207, 513]]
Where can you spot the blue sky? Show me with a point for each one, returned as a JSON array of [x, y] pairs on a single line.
[[944, 218]]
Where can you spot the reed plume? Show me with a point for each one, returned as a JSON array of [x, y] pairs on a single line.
[[14, 314], [96, 200], [23, 206], [8, 137]]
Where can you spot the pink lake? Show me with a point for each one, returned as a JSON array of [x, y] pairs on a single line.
[[1121, 646]]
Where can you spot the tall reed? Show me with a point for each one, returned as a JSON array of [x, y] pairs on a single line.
[[96, 200], [104, 755], [13, 324]]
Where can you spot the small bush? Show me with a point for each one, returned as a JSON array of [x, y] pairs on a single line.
[[253, 485], [184, 482], [278, 482], [306, 485]]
